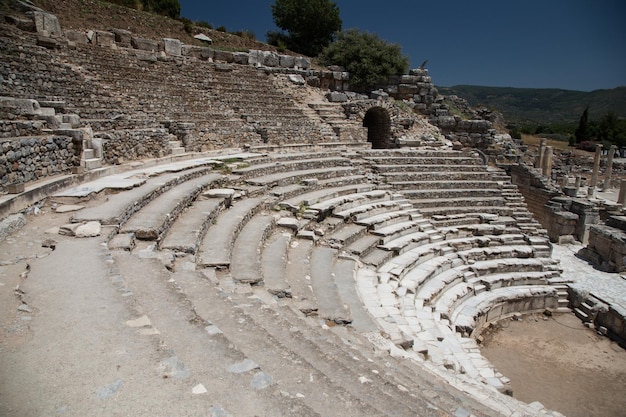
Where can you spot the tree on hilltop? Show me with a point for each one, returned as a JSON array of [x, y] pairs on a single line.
[[369, 59], [582, 132], [310, 25]]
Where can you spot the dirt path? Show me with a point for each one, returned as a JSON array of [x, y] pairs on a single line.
[[561, 363]]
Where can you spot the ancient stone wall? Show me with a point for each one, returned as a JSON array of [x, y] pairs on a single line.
[[33, 158], [126, 145], [536, 193]]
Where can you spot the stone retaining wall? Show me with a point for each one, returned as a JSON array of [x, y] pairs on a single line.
[[126, 145], [32, 158]]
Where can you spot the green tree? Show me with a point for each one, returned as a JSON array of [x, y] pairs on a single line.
[[369, 59], [582, 131], [310, 25]]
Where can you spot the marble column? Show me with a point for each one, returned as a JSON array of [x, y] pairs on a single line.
[[609, 167], [546, 164], [622, 193], [542, 148], [596, 168]]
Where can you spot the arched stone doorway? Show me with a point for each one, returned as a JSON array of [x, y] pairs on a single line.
[[378, 124]]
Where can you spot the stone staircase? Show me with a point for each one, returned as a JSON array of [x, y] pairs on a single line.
[[308, 255]]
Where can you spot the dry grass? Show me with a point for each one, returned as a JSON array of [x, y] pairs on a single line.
[[532, 140]]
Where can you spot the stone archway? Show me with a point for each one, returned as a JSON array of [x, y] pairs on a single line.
[[378, 124]]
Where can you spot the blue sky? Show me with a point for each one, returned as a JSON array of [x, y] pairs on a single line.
[[569, 44]]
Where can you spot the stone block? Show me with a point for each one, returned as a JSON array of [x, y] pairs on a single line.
[[47, 42], [203, 53], [418, 71], [271, 59], [302, 62], [336, 97], [172, 47], [287, 61], [20, 106], [240, 58], [255, 57], [122, 37], [16, 188], [223, 56], [408, 89], [144, 44], [409, 79], [296, 79], [76, 36], [105, 39], [45, 22]]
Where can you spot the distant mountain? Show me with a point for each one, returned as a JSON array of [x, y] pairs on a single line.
[[542, 105]]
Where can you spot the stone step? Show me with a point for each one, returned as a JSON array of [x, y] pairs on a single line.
[[189, 228], [582, 315], [89, 153], [139, 191], [284, 178], [363, 245], [154, 218], [246, 265], [331, 306], [92, 163], [297, 275], [215, 248], [274, 260]]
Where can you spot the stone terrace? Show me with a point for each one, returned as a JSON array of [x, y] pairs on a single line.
[[321, 237], [370, 272]]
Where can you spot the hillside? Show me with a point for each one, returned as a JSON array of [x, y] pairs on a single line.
[[97, 14], [542, 105]]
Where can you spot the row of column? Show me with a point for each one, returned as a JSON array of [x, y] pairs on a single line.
[[544, 161]]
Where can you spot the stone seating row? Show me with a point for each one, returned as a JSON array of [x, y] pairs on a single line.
[[244, 234], [228, 91], [258, 249]]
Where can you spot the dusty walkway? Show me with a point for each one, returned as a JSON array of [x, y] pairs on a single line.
[[562, 364]]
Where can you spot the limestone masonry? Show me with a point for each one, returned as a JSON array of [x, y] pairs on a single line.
[[281, 241]]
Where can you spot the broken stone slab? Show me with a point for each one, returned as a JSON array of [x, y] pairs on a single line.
[[122, 37], [174, 367], [289, 223], [244, 366], [109, 390], [172, 47], [144, 44], [122, 241], [296, 79], [105, 39], [45, 22], [261, 380], [199, 389], [336, 97], [21, 106], [204, 38], [86, 229], [89, 229], [219, 193], [66, 208], [142, 321]]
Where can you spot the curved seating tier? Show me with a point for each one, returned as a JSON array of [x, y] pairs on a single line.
[[321, 237]]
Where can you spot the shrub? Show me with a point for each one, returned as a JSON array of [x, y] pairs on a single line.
[[369, 59]]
